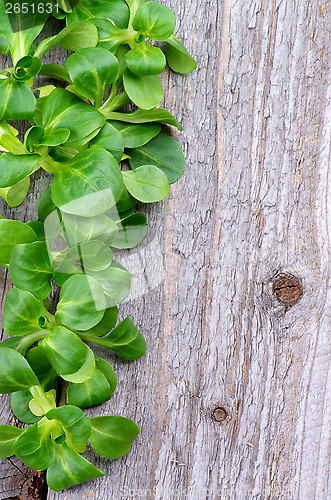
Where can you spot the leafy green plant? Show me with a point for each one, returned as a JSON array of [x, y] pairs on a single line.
[[103, 159]]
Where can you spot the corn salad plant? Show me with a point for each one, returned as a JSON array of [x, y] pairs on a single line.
[[79, 132]]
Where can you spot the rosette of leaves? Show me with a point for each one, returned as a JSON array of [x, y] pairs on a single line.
[[80, 315], [57, 435], [125, 29], [21, 23]]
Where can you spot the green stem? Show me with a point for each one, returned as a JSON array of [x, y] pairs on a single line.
[[118, 102], [27, 340], [9, 141], [41, 399], [92, 338]]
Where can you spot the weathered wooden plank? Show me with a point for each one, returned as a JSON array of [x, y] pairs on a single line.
[[254, 201]]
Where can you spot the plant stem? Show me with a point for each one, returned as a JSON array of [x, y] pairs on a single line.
[[116, 103], [92, 338], [41, 399]]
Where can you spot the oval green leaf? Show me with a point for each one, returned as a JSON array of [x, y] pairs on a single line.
[[14, 168], [69, 469], [92, 71], [147, 183], [8, 435], [178, 58], [63, 109], [163, 152], [13, 233], [17, 101], [145, 60], [34, 446], [30, 268], [145, 91], [132, 231], [136, 135], [154, 21], [82, 303], [112, 436], [64, 350], [110, 139], [21, 312], [116, 10], [88, 185], [15, 372]]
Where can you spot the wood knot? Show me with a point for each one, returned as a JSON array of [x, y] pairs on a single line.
[[287, 288], [219, 414]]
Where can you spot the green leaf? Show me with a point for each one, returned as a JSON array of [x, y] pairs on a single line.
[[91, 255], [125, 292], [55, 71], [64, 350], [145, 60], [133, 230], [112, 436], [45, 205], [34, 446], [96, 390], [26, 68], [20, 407], [147, 183], [75, 37], [56, 138], [13, 233], [124, 204], [92, 71], [21, 28], [74, 421], [21, 312], [113, 281], [107, 323], [88, 185], [46, 374], [163, 152], [154, 21], [8, 434], [38, 228], [63, 109], [108, 371], [17, 101], [14, 168], [115, 10], [178, 58], [126, 340], [145, 91], [69, 469], [16, 194], [30, 268], [15, 372], [86, 371], [110, 139], [136, 135], [67, 5], [20, 343], [79, 229], [144, 116], [82, 303], [32, 138]]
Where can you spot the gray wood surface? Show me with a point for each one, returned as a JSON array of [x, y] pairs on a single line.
[[254, 202]]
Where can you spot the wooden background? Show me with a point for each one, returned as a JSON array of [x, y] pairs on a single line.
[[254, 201]]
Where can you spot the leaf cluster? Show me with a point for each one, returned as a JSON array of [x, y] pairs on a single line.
[[104, 160]]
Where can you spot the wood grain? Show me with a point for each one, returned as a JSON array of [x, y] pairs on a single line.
[[253, 202]]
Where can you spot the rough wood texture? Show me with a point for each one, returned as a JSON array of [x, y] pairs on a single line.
[[253, 203]]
